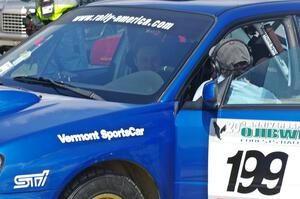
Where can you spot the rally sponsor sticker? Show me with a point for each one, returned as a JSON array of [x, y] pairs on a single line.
[[5, 67], [31, 180], [126, 19], [22, 57], [253, 159], [103, 135]]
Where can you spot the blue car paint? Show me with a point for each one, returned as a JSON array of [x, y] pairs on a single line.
[[192, 129], [173, 150], [97, 115], [12, 101]]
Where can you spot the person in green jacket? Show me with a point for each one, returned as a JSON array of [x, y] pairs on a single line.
[[51, 10], [48, 11]]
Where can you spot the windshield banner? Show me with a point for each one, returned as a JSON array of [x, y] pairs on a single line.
[[136, 20]]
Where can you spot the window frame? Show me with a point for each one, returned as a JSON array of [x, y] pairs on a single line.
[[181, 96], [291, 39]]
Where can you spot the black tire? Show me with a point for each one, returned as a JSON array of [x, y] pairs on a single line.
[[97, 185]]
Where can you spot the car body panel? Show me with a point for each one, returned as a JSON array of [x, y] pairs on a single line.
[[214, 7], [94, 116], [174, 146]]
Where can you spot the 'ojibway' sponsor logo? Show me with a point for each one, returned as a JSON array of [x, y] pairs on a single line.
[[31, 180], [271, 133], [257, 131], [103, 134]]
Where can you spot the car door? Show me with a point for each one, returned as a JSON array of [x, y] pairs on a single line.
[[254, 140], [220, 150]]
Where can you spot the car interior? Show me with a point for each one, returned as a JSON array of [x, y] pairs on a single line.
[[272, 64]]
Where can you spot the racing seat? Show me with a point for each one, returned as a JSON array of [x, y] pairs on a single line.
[[266, 71], [104, 49], [260, 54]]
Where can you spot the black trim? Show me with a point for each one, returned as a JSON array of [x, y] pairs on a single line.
[[197, 105], [193, 105], [223, 89]]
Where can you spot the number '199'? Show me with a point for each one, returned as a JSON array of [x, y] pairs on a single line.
[[261, 171]]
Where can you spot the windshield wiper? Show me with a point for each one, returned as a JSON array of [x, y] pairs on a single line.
[[46, 81]]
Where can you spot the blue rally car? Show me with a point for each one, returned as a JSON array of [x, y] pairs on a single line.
[[123, 100]]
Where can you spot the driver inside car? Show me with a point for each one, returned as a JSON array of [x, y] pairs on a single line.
[[232, 57], [147, 57]]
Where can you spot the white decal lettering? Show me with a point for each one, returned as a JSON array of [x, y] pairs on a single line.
[[137, 20], [104, 134], [31, 180]]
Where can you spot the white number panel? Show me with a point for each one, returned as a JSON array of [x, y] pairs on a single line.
[[253, 159]]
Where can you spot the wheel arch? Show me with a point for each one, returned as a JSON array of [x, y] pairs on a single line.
[[140, 176]]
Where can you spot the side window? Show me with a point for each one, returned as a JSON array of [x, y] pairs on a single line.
[[272, 77], [240, 34]]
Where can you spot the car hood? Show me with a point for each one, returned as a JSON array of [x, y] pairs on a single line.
[[15, 100], [23, 113]]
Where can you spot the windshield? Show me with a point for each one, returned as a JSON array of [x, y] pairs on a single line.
[[121, 54]]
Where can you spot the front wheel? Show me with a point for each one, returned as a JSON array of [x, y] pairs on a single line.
[[107, 186]]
